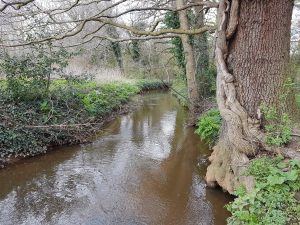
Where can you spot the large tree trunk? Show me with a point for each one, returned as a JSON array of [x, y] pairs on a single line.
[[193, 93], [252, 53]]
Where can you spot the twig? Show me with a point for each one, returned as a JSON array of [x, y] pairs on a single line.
[[63, 125], [295, 135]]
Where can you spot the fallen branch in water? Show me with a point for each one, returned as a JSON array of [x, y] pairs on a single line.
[[63, 125]]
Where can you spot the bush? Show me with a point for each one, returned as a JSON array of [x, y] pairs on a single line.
[[272, 201], [208, 126], [28, 75], [107, 97], [150, 84]]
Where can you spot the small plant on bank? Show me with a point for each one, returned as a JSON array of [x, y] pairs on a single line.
[[278, 126], [209, 125], [272, 201], [277, 122]]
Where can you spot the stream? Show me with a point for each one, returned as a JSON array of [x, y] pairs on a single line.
[[146, 167]]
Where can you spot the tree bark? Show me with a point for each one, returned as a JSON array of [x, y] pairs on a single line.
[[252, 54], [193, 93]]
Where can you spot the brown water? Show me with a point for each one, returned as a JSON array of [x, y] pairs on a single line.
[[145, 168]]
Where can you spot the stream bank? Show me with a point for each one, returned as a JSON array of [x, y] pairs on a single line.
[[146, 167], [69, 113]]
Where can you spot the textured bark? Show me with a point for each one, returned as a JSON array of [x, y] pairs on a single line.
[[259, 51], [193, 93], [252, 52]]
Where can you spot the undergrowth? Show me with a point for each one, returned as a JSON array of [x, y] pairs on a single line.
[[68, 114], [278, 126], [272, 201], [208, 126]]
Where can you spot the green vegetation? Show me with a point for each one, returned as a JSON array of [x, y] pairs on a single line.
[[277, 122], [180, 91], [278, 126], [298, 99], [70, 113], [171, 20], [272, 201], [208, 126], [28, 75], [207, 82]]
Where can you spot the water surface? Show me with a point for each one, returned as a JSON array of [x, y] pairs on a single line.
[[144, 168]]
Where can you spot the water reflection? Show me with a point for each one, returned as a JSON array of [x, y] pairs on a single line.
[[141, 170]]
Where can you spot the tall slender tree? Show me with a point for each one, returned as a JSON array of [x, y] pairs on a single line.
[[193, 92]]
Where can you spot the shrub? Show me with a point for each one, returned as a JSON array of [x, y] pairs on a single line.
[[208, 126], [272, 201], [150, 84], [28, 75]]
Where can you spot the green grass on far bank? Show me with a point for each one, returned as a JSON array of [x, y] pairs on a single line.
[[67, 114]]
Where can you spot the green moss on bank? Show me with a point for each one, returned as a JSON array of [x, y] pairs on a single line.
[[68, 114]]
